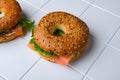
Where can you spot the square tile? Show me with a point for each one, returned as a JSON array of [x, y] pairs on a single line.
[[115, 42], [102, 25], [75, 7], [84, 62], [107, 66], [36, 17], [49, 71], [37, 3], [28, 10], [15, 59], [111, 5]]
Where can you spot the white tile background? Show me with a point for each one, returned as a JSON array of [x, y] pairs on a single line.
[[101, 61]]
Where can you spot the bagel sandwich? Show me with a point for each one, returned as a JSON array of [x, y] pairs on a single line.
[[60, 37], [12, 23]]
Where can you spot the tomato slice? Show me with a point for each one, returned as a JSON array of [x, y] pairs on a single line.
[[18, 31], [31, 46], [63, 60]]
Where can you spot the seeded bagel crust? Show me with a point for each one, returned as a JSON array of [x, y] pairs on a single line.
[[73, 42], [12, 14]]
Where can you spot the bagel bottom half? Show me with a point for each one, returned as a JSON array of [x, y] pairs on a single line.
[[63, 60]]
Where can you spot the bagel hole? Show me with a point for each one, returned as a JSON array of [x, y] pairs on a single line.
[[59, 30], [1, 14]]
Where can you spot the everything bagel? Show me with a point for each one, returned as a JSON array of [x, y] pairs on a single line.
[[10, 20], [12, 14], [65, 47]]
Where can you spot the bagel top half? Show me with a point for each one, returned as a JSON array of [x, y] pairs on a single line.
[[75, 38], [70, 45], [11, 14]]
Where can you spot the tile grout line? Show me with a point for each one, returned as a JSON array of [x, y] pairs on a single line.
[[29, 69], [3, 78], [100, 53], [30, 4], [35, 6], [94, 62], [114, 34], [45, 4], [105, 10], [114, 47], [41, 7], [75, 70], [87, 1], [112, 39], [87, 7]]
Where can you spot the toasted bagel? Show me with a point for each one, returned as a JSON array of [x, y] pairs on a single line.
[[11, 20], [70, 45], [11, 14]]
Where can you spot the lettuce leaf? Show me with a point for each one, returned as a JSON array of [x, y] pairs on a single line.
[[33, 31], [58, 32], [4, 32], [40, 50], [26, 24]]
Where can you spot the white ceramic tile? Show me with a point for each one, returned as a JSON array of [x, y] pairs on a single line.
[[36, 17], [15, 59], [115, 42], [50, 71], [28, 10], [111, 5], [86, 78], [84, 62], [107, 66], [37, 3], [102, 25], [1, 78], [75, 7], [89, 1]]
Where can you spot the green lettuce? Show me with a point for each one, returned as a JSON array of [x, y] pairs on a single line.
[[26, 24], [40, 50], [58, 32], [4, 32]]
